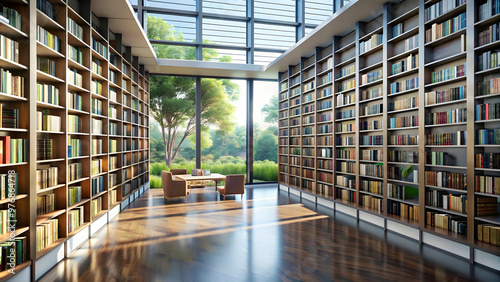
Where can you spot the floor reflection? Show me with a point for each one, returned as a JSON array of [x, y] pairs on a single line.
[[267, 236]]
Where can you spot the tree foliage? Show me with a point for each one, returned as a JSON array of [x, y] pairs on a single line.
[[173, 99], [266, 147], [270, 110]]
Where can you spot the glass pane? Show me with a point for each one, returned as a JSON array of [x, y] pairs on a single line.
[[318, 10], [280, 10], [172, 96], [224, 55], [164, 51], [265, 131], [171, 27], [133, 2], [225, 7], [264, 58], [186, 5], [223, 126], [274, 36], [224, 32]]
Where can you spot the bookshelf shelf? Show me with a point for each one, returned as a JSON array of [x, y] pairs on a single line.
[[12, 32], [453, 12], [50, 161], [5, 275], [19, 230], [405, 20], [5, 63], [44, 51], [43, 218], [48, 105], [13, 129], [55, 244], [48, 189], [78, 229]]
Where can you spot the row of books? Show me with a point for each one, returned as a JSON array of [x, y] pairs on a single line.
[[374, 170], [370, 125], [16, 247], [401, 122], [408, 174], [446, 200], [75, 218], [445, 139], [488, 60], [488, 111], [11, 84], [347, 167], [411, 62], [372, 140], [46, 122], [374, 41], [446, 28], [75, 78], [440, 8], [74, 148], [371, 202], [455, 224], [487, 206], [44, 149], [489, 9], [488, 137], [45, 204], [96, 87], [374, 187], [8, 220], [48, 39], [97, 67], [345, 154], [345, 99], [96, 166], [74, 195], [403, 139], [489, 34], [346, 71], [9, 49], [371, 155], [371, 110], [9, 185], [113, 112], [75, 29], [345, 127], [344, 141], [9, 118], [96, 106], [347, 85], [446, 117], [96, 126], [403, 210], [397, 29], [487, 184], [345, 114], [346, 195], [74, 171], [448, 95], [408, 103], [47, 233], [96, 206], [449, 73], [46, 177], [47, 93], [100, 48], [113, 162], [487, 87], [46, 65], [13, 150], [75, 54], [488, 233], [402, 156], [97, 184], [11, 17], [75, 101], [401, 192], [96, 146], [47, 8], [308, 86], [371, 77], [446, 179], [74, 123], [404, 85], [488, 160]]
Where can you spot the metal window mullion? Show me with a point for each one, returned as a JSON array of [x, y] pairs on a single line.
[[199, 32], [250, 136], [250, 38], [300, 12]]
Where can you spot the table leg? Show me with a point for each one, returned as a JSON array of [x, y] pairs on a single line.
[[215, 185]]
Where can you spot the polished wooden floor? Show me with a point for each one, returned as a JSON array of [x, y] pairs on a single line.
[[269, 236]]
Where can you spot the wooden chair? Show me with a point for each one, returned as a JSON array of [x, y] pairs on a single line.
[[235, 184], [173, 188], [177, 171]]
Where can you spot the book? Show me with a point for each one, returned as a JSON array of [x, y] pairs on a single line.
[[45, 204], [47, 233], [44, 149], [46, 122], [48, 39], [11, 84], [9, 49], [74, 171], [9, 118], [48, 94], [46, 177], [46, 65], [75, 101], [74, 194], [75, 29], [75, 218]]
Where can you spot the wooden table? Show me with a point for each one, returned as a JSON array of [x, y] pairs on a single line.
[[214, 177]]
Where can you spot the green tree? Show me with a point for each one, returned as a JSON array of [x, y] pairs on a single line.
[[266, 147], [270, 110], [172, 99]]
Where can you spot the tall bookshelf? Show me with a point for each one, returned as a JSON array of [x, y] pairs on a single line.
[[393, 149], [94, 149]]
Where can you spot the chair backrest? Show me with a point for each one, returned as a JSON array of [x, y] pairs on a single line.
[[235, 184], [166, 179], [177, 171]]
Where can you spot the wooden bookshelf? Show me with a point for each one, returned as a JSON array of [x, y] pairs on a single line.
[[123, 87], [391, 100]]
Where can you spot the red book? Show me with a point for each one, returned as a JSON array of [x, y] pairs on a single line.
[[6, 149]]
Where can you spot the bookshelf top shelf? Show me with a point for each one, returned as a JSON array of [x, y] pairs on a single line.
[[405, 16]]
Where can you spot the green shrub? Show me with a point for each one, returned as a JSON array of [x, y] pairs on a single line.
[[156, 168], [154, 181], [265, 170]]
